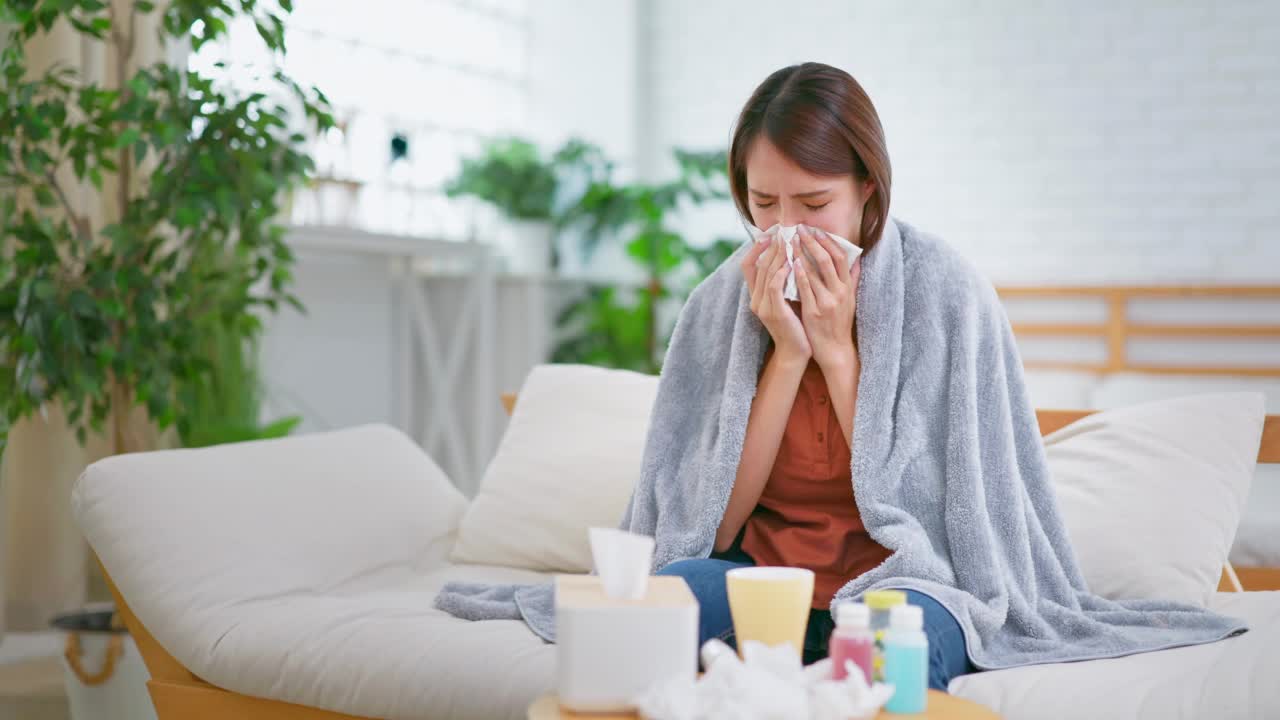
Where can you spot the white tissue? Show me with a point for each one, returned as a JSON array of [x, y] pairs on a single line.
[[622, 561], [770, 683], [788, 235]]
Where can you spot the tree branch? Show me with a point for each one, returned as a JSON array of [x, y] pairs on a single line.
[[124, 53], [133, 27], [80, 222]]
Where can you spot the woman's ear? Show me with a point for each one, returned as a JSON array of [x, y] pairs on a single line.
[[868, 188]]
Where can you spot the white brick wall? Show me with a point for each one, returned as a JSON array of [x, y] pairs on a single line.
[[582, 73], [1087, 141]]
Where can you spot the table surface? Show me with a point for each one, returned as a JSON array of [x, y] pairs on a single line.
[[941, 706]]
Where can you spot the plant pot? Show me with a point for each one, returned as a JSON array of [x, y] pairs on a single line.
[[526, 246], [105, 676]]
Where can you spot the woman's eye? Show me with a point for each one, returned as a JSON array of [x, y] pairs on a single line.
[[764, 206], [817, 207]]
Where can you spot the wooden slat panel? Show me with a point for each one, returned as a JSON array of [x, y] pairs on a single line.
[[1217, 370], [1060, 329], [1067, 365], [1223, 331], [1117, 343], [1119, 329]]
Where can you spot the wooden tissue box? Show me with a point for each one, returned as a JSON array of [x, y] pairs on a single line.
[[609, 650]]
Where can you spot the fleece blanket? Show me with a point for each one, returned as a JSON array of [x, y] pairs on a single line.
[[949, 470]]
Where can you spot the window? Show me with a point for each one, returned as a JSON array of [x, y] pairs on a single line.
[[434, 76]]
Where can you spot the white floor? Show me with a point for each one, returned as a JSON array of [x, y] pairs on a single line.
[[31, 677], [15, 647]]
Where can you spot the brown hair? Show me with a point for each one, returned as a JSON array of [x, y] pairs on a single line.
[[820, 118]]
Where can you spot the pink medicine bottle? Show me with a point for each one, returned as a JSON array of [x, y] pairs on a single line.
[[851, 640]]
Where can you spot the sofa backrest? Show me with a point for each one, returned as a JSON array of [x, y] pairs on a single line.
[[207, 528]]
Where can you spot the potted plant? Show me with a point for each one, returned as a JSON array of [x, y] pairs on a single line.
[[609, 326], [138, 238], [513, 178]]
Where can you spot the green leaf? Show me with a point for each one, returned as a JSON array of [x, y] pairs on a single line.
[[186, 216], [44, 196], [43, 290], [127, 137], [36, 160]]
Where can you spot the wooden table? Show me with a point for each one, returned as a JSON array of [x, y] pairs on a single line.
[[941, 706]]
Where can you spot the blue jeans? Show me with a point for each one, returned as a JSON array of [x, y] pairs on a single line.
[[705, 576]]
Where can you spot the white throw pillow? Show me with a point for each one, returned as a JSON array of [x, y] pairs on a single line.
[[1151, 494], [568, 461]]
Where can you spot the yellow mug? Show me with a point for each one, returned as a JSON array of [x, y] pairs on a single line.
[[770, 605]]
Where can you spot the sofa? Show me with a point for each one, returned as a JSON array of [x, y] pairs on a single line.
[[295, 577]]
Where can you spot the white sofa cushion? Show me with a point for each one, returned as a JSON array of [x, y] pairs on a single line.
[[1151, 494], [1257, 541], [192, 537], [379, 649], [1233, 679], [568, 461]]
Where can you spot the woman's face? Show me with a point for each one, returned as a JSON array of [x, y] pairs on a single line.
[[781, 192]]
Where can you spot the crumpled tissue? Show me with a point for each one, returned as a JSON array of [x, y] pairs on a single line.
[[788, 234], [770, 683]]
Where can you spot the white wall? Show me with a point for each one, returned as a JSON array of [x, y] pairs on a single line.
[[582, 73], [1085, 141]]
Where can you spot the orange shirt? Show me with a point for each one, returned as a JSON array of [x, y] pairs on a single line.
[[806, 516]]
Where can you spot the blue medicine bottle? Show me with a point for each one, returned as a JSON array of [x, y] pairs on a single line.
[[906, 660]]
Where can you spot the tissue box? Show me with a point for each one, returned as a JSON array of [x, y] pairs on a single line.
[[610, 650]]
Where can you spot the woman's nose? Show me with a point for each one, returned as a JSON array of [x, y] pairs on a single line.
[[788, 216]]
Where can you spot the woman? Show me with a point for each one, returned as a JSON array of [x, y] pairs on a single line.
[[941, 487], [807, 150]]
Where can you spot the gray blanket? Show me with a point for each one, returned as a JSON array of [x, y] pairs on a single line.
[[949, 471]]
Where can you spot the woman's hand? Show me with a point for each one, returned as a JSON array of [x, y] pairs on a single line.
[[765, 269], [828, 299]]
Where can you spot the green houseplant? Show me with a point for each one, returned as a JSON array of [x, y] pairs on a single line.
[[139, 243], [100, 315], [615, 327], [511, 174], [529, 190]]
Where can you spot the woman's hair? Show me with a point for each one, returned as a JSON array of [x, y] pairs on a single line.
[[820, 118]]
